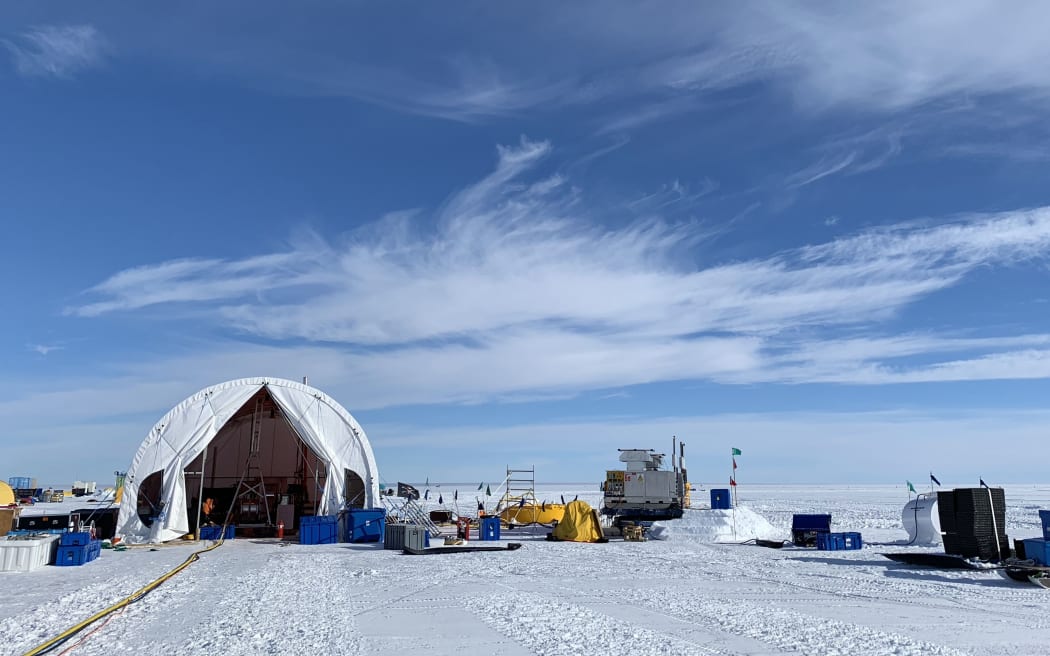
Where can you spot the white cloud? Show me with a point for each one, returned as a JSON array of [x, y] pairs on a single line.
[[57, 50], [518, 290], [507, 252], [44, 349], [884, 56]]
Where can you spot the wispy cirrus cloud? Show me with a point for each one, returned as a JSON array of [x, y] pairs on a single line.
[[57, 50], [850, 156], [517, 288], [660, 61], [44, 349]]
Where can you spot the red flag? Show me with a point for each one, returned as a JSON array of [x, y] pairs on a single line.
[[732, 481], [734, 463]]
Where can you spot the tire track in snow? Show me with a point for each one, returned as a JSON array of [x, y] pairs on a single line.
[[786, 629], [554, 628]]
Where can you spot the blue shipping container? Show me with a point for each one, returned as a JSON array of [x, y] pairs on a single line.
[[365, 525], [720, 499], [20, 482], [489, 528], [1044, 516]]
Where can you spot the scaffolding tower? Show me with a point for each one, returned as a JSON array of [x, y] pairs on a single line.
[[520, 489]]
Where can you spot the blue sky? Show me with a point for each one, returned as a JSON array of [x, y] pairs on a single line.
[[534, 235]]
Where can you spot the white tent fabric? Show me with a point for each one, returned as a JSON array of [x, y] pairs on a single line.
[[182, 434]]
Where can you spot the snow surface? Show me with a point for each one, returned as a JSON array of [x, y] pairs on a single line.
[[684, 595]]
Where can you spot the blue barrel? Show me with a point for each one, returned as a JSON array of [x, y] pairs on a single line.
[[365, 524], [720, 499], [489, 528]]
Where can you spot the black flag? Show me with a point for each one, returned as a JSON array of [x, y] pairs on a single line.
[[521, 504], [934, 479], [441, 500], [455, 495], [481, 506], [577, 498], [426, 495], [563, 499], [983, 484], [407, 491], [543, 506]]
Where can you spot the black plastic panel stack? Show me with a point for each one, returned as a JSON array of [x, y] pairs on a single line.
[[973, 520]]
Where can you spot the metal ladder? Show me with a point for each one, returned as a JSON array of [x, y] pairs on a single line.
[[521, 486], [254, 483], [412, 511]]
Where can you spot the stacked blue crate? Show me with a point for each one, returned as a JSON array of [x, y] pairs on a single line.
[[318, 529], [77, 549]]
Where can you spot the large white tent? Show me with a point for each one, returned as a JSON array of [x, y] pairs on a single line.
[[266, 438]]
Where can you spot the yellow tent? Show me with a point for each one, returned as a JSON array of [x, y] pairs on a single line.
[[546, 513], [579, 524], [7, 495]]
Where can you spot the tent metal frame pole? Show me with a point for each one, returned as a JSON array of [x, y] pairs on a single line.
[[200, 493]]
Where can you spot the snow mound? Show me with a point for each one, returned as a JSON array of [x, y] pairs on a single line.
[[718, 526]]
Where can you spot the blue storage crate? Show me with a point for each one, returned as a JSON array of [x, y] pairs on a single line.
[[72, 556], [830, 542], [489, 528], [365, 524], [1037, 549], [721, 499], [77, 539], [319, 529], [1044, 516], [216, 532], [839, 541]]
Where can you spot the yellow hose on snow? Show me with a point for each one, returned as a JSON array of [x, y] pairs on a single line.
[[134, 596]]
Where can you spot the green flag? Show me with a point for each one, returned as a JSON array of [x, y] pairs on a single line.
[[736, 452], [911, 488]]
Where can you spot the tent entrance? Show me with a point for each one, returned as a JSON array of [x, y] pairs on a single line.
[[256, 470]]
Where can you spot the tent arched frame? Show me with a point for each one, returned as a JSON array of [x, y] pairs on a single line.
[[183, 434]]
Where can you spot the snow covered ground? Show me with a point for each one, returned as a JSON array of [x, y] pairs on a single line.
[[684, 595]]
